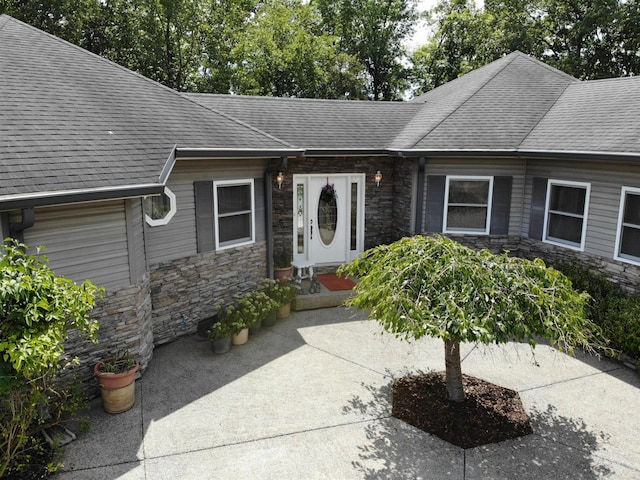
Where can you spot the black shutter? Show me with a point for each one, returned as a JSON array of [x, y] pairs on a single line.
[[203, 192], [501, 205], [435, 202], [538, 201]]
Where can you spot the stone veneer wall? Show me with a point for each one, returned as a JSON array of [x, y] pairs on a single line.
[[379, 201], [624, 274], [125, 322], [403, 178], [185, 291]]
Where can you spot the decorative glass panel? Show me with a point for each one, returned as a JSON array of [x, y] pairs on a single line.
[[354, 217], [327, 214], [300, 222]]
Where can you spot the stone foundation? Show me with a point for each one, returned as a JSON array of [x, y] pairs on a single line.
[[125, 322], [624, 274], [186, 291]]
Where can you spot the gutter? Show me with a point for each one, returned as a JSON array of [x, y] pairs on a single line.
[[45, 199], [268, 208], [185, 153]]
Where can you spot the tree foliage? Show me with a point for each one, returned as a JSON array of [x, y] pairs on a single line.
[[37, 309], [588, 39], [285, 53], [436, 287], [374, 32]]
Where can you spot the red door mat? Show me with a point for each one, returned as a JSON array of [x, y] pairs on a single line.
[[335, 283]]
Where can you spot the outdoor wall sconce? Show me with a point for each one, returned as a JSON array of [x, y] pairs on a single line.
[[279, 179], [378, 177]]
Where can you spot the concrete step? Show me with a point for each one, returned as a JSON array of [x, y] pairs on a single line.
[[324, 299]]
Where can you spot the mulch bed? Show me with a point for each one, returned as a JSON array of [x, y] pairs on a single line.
[[489, 414]]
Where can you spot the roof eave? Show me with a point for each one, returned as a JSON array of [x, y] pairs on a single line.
[[45, 199], [206, 152]]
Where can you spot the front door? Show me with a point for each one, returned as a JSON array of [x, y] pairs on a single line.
[[328, 218]]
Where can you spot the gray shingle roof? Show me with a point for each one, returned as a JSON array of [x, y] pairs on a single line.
[[72, 120], [599, 116], [318, 124], [492, 108]]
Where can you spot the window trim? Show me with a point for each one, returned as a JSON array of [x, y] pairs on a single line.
[[585, 215], [244, 241], [617, 255], [173, 208], [478, 178]]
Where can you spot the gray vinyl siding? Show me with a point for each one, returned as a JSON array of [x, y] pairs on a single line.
[[84, 241], [483, 167], [606, 179], [135, 239], [177, 239]]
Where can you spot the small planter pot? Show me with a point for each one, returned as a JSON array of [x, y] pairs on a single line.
[[118, 390], [221, 345], [240, 338], [255, 329], [270, 321], [283, 275], [284, 311]]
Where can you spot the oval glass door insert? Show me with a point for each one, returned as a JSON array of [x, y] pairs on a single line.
[[327, 214]]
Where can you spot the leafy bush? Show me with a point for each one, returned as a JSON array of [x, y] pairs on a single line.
[[279, 293], [37, 309], [613, 309], [248, 310]]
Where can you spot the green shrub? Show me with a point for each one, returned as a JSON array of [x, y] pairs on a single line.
[[37, 309], [613, 309]]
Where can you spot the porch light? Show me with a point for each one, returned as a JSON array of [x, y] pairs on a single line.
[[279, 179], [378, 178]]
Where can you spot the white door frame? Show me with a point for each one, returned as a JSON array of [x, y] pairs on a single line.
[[302, 212]]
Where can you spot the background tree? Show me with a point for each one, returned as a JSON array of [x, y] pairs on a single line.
[[436, 287], [283, 52], [374, 31], [588, 39]]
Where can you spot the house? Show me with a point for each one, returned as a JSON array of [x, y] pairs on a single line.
[[174, 201]]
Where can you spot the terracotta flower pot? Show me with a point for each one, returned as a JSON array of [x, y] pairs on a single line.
[[118, 389], [283, 275]]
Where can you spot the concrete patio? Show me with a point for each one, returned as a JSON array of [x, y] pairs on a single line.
[[311, 398]]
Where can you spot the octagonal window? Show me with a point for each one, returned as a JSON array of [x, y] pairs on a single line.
[[159, 209]]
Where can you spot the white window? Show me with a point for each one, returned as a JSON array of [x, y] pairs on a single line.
[[159, 209], [467, 204], [234, 213], [628, 233], [566, 210]]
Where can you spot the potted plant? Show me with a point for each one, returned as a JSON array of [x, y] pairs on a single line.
[[117, 381], [270, 288], [220, 335], [260, 306], [282, 268], [234, 318], [282, 295]]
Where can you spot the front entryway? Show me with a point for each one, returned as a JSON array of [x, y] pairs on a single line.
[[328, 220]]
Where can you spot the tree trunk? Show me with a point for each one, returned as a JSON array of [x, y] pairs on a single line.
[[453, 375]]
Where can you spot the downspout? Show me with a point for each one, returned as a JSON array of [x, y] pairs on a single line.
[[419, 195], [16, 229], [268, 210]]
